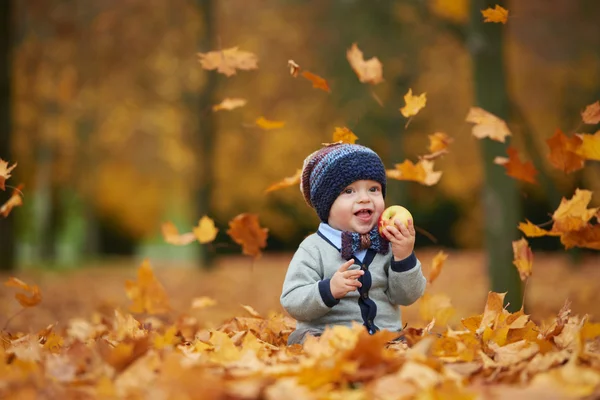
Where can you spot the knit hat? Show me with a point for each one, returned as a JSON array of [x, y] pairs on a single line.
[[327, 171]]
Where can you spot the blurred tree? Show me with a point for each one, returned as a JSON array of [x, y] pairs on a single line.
[[7, 241], [500, 196]]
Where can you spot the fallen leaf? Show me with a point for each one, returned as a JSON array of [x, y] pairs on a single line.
[[14, 200], [245, 230], [523, 171], [344, 135], [228, 60], [229, 104], [317, 81], [573, 214], [497, 14], [147, 293], [370, 71], [590, 146], [267, 125], [172, 236], [206, 231], [487, 125], [591, 114], [421, 172], [26, 301], [5, 172], [413, 103], [436, 266], [523, 258], [286, 182], [562, 152]]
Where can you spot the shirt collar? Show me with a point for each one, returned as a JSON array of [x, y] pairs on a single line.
[[332, 234]]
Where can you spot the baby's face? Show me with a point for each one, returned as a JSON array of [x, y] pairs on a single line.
[[358, 207]]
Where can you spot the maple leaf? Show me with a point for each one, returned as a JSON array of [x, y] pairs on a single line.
[[421, 172], [562, 152], [286, 182], [228, 60], [573, 214], [5, 172], [206, 231], [587, 237], [523, 258], [436, 266], [26, 301], [15, 200], [532, 230], [370, 71], [317, 81], [413, 103], [591, 114], [497, 14], [590, 146], [493, 308], [344, 135], [245, 230], [523, 171], [267, 125], [487, 125], [439, 141], [229, 104], [172, 236], [147, 294]]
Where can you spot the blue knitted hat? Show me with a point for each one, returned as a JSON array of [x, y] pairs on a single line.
[[327, 171]]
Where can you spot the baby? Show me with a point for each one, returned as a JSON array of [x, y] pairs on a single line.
[[345, 271]]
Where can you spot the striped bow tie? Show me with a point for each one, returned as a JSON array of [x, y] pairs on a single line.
[[352, 242]]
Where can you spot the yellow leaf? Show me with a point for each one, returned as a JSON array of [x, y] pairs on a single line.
[[172, 236], [436, 306], [229, 104], [147, 294], [532, 230], [436, 266], [5, 172], [167, 339], [590, 146], [344, 135], [439, 141], [206, 231], [245, 230], [203, 302], [224, 349], [523, 258], [413, 103], [267, 125], [286, 182], [421, 172], [590, 330], [24, 300], [487, 125], [591, 114], [228, 60], [497, 14], [370, 71], [493, 308], [573, 214]]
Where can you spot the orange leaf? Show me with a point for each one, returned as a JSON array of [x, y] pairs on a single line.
[[591, 114], [493, 308], [245, 230], [439, 141], [147, 294], [573, 214], [590, 146], [286, 182], [523, 258], [532, 230], [228, 60], [172, 235], [344, 135], [206, 231], [15, 200], [5, 172], [497, 14], [436, 266], [421, 172], [370, 71], [487, 125], [24, 300], [266, 124], [562, 152], [413, 103], [294, 68], [587, 237], [436, 306], [524, 171], [316, 80], [229, 104]]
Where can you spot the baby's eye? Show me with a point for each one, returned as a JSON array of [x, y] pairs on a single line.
[[375, 189], [347, 191]]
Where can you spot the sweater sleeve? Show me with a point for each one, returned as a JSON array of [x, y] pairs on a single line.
[[306, 295], [406, 282]]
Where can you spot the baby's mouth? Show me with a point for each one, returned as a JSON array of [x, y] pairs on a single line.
[[364, 213]]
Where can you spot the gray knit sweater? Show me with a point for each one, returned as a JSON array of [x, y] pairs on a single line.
[[386, 284]]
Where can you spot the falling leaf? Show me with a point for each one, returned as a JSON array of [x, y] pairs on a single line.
[[206, 231], [251, 311], [497, 14], [523, 171], [344, 135], [229, 104], [586, 237], [523, 258], [286, 182], [439, 141], [5, 172], [370, 71], [203, 302], [172, 236], [413, 103], [317, 81], [15, 200], [436, 306], [245, 230], [573, 214], [590, 146], [591, 114], [532, 230], [294, 68], [436, 266], [26, 301], [147, 294], [562, 152], [421, 172], [228, 60], [487, 125], [266, 124]]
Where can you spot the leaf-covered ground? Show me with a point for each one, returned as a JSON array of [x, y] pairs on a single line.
[[82, 340]]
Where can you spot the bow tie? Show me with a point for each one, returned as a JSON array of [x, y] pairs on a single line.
[[353, 242]]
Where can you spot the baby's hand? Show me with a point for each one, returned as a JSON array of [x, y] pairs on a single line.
[[344, 280], [402, 238]]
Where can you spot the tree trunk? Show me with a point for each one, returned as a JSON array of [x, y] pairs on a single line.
[[7, 225], [500, 196]]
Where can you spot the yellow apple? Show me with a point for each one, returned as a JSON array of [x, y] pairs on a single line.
[[393, 213]]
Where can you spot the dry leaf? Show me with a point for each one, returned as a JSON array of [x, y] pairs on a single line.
[[24, 300], [413, 103], [497, 14], [587, 237], [591, 114], [370, 71], [421, 172], [436, 266], [532, 230], [5, 172], [523, 258], [436, 306], [573, 214], [15, 200], [203, 302], [562, 152], [251, 311], [487, 125], [293, 180], [316, 80], [344, 135], [294, 68], [439, 141], [228, 60], [229, 104], [147, 293], [172, 236], [590, 146], [245, 230], [206, 231], [523, 171], [267, 125]]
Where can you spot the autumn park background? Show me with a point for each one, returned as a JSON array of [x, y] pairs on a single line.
[[129, 119]]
